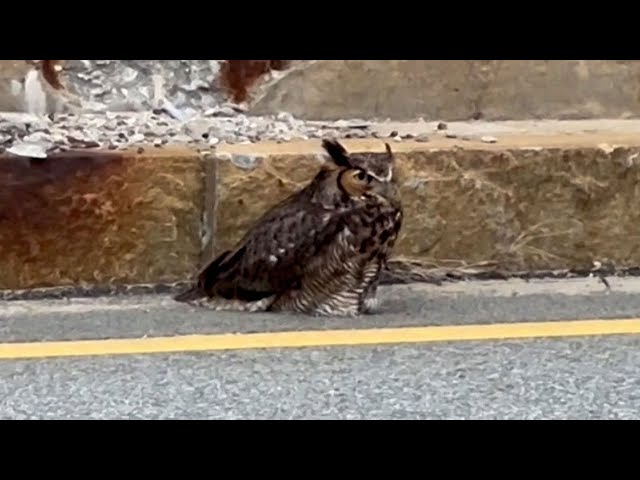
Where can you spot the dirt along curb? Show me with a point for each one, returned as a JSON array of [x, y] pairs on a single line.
[[527, 203]]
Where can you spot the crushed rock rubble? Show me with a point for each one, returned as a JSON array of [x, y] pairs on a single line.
[[138, 85], [36, 136]]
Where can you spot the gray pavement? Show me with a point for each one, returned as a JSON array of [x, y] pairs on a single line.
[[592, 378], [564, 379], [400, 306]]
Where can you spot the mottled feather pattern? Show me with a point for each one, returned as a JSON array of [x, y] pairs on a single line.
[[318, 252], [275, 254], [325, 286]]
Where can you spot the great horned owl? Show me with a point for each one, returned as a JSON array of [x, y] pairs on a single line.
[[320, 251]]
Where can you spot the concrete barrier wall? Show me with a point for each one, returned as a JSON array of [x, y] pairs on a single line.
[[457, 90], [552, 202]]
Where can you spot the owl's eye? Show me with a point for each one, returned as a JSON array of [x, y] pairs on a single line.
[[364, 176]]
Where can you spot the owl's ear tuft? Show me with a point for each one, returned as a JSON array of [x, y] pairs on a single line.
[[387, 148], [337, 152], [390, 156]]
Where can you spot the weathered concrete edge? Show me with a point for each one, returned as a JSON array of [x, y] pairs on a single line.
[[568, 140]]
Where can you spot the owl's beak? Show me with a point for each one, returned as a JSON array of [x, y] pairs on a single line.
[[387, 193]]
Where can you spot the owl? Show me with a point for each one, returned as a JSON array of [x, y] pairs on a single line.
[[320, 251]]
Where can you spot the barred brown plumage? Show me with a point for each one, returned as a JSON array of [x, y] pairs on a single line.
[[318, 252]]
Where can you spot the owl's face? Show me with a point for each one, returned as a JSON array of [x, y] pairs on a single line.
[[364, 175], [378, 165]]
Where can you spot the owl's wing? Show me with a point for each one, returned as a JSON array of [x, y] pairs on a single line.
[[273, 254]]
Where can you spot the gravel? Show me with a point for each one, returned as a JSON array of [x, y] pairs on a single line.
[[36, 136], [133, 104], [148, 104]]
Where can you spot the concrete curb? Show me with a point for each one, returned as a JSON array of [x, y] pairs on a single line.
[[526, 203], [96, 218], [543, 202]]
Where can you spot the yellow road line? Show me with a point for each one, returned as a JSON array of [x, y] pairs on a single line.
[[321, 338]]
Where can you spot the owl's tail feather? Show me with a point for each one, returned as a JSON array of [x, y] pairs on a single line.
[[207, 278], [193, 293]]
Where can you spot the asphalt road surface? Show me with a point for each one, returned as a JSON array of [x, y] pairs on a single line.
[[515, 350]]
